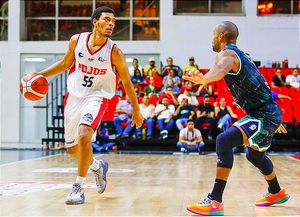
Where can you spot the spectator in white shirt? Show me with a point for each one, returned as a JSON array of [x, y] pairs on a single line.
[[190, 138], [135, 66], [294, 79], [192, 100], [124, 112], [147, 111], [164, 113]]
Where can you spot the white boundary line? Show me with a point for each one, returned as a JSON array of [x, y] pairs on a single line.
[[32, 159], [40, 158]]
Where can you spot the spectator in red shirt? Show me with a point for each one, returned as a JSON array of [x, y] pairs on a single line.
[[169, 94]]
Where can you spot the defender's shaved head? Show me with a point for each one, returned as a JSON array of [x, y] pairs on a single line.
[[224, 33], [229, 30]]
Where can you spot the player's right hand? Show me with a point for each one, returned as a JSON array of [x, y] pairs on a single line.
[[281, 129], [137, 119]]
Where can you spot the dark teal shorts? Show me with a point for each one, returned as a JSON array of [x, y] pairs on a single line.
[[261, 125]]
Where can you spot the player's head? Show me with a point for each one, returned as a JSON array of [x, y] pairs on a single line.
[[190, 124], [103, 20], [224, 33]]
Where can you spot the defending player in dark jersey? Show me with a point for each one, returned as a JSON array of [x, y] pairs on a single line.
[[256, 130]]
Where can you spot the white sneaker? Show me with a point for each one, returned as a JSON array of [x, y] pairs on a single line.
[[76, 195], [100, 176]]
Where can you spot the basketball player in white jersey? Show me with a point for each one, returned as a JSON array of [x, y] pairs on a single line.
[[95, 63]]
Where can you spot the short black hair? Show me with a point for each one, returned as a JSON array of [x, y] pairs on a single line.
[[191, 120], [98, 12]]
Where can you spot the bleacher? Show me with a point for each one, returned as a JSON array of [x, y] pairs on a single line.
[[290, 118]]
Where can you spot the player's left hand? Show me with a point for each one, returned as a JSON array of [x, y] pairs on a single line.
[[281, 129], [195, 77], [137, 119]]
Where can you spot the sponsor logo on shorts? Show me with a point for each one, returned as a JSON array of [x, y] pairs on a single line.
[[88, 117], [253, 127]]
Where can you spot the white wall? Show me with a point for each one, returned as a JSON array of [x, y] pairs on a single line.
[[265, 38]]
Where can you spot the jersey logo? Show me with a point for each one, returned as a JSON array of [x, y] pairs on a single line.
[[90, 59], [80, 54], [91, 70], [101, 59]]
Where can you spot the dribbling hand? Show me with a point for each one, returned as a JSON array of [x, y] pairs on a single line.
[[281, 129], [195, 77]]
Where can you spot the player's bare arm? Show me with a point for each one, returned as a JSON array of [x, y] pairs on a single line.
[[119, 61], [65, 63], [225, 62]]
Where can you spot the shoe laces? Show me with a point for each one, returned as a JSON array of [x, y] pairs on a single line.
[[266, 194], [99, 174], [205, 201], [76, 189]]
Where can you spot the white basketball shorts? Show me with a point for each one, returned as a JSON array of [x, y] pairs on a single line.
[[88, 111]]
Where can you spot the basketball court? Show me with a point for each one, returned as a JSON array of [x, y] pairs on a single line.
[[152, 171], [142, 185]]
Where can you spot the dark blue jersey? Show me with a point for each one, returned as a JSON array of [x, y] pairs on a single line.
[[249, 89]]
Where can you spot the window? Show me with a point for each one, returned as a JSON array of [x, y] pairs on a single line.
[[146, 30], [60, 19], [77, 8], [3, 20], [40, 30], [122, 7], [208, 7], [270, 7]]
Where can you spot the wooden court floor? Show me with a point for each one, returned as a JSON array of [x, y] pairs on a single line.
[[142, 185]]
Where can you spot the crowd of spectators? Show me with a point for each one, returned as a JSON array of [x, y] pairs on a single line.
[[192, 113], [173, 106], [169, 104]]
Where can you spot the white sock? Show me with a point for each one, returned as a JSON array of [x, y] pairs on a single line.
[[95, 164], [80, 180]]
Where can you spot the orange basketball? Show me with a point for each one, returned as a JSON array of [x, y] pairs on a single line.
[[34, 86]]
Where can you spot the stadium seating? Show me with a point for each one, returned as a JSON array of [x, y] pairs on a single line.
[[290, 108]]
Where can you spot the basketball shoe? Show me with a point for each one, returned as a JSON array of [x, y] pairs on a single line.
[[207, 207], [269, 199], [100, 176], [76, 195]]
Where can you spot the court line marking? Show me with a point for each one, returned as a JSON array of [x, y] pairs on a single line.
[[33, 159], [40, 158]]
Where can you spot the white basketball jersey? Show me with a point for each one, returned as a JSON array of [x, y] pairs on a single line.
[[92, 74]]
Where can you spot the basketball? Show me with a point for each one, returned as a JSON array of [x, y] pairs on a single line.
[[34, 86]]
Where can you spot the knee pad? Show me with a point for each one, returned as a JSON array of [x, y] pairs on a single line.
[[224, 144], [228, 140], [260, 160]]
